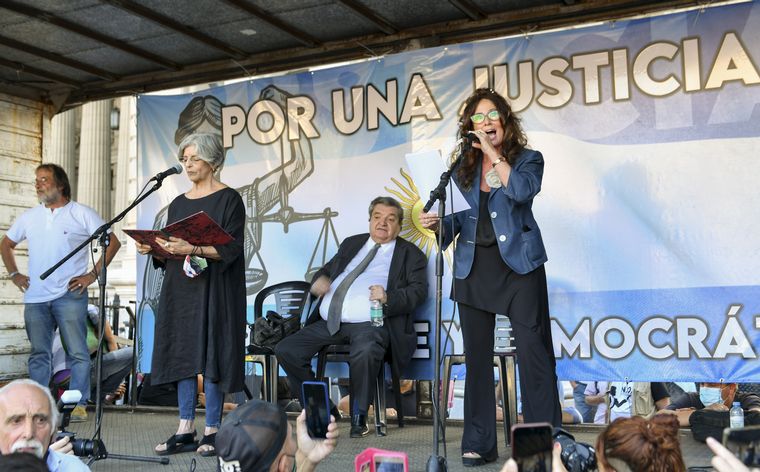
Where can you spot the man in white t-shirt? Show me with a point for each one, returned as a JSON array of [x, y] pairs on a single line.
[[54, 228], [621, 398]]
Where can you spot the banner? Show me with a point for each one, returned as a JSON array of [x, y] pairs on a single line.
[[649, 129]]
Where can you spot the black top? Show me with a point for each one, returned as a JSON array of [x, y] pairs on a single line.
[[659, 391], [484, 235], [749, 401], [200, 322], [489, 276]]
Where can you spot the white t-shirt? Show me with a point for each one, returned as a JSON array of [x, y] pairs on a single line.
[[621, 394], [597, 388], [356, 303], [52, 235]]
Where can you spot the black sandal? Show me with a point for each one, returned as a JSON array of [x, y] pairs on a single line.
[[475, 459], [179, 443], [209, 440]]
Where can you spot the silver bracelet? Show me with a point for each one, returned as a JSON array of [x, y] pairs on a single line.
[[13, 274]]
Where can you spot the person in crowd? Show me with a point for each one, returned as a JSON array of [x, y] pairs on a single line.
[[595, 394], [28, 419], [256, 436], [640, 445], [117, 362], [631, 444], [625, 399], [53, 229], [21, 462], [499, 268], [712, 396], [588, 412], [200, 323], [376, 266]]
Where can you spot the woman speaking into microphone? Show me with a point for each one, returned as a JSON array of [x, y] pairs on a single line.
[[499, 268], [200, 324]]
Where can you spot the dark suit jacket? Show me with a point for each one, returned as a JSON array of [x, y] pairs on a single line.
[[406, 289]]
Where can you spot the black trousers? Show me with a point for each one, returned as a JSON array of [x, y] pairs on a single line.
[[368, 346], [528, 303]]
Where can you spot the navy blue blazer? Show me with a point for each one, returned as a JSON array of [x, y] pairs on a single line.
[[510, 208], [406, 289]]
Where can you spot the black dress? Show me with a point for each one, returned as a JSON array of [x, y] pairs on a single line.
[[200, 324]]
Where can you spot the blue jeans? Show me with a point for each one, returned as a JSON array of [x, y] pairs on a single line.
[[69, 314], [187, 390], [116, 366], [587, 411]]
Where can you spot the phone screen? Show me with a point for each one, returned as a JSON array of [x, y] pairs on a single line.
[[744, 443], [532, 447], [389, 464], [317, 408]]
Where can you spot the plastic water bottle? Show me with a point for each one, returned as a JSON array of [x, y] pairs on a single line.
[[736, 416], [376, 312]]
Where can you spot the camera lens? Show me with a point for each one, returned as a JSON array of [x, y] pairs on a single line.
[[85, 447]]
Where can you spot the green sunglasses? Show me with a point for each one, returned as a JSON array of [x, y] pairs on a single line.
[[478, 118]]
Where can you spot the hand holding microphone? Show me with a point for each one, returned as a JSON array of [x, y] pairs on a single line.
[[429, 221]]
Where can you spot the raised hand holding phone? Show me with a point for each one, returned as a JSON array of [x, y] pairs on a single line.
[[532, 445], [317, 406]]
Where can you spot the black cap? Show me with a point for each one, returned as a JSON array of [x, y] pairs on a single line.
[[251, 437]]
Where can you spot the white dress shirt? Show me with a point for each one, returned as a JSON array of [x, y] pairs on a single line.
[[356, 303]]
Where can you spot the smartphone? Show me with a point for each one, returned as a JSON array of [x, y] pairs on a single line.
[[744, 443], [317, 406], [532, 446]]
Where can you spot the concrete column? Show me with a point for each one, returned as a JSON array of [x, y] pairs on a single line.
[[123, 195], [95, 158], [63, 142]]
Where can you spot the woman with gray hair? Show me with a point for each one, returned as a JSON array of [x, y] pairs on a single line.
[[200, 321]]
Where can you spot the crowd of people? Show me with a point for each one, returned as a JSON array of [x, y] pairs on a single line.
[[201, 326]]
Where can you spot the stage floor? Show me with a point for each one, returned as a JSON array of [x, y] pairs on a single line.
[[136, 433]]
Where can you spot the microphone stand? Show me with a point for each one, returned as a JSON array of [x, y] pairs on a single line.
[[97, 449], [435, 462]]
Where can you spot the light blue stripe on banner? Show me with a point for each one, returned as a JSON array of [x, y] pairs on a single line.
[[691, 334]]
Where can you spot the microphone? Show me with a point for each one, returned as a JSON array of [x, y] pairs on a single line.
[[177, 169], [465, 142], [468, 139]]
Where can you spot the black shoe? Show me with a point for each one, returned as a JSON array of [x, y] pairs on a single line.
[[359, 427], [474, 459]]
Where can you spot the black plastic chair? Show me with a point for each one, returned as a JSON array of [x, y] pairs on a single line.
[[291, 299], [340, 353], [504, 358]]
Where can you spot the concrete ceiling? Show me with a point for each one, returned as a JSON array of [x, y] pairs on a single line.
[[70, 52]]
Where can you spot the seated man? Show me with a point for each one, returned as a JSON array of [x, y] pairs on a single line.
[[714, 397], [257, 436], [117, 362], [28, 419], [626, 399], [395, 272]]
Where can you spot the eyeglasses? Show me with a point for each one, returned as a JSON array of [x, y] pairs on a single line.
[[478, 118], [41, 180], [193, 159]]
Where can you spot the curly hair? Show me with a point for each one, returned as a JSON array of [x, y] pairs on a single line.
[[514, 136], [643, 445]]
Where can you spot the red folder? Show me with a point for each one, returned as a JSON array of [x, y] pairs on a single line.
[[197, 229]]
